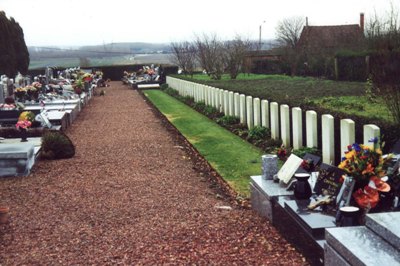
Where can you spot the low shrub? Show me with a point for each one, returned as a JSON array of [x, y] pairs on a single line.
[[302, 151], [171, 91], [259, 133], [56, 145], [227, 120], [164, 86], [211, 112], [199, 106]]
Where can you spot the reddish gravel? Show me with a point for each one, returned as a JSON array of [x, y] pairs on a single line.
[[131, 195]]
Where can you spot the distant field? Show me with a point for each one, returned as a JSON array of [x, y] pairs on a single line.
[[306, 92], [105, 61]]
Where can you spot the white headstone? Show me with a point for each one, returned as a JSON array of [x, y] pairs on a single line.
[[236, 104], [285, 125], [257, 112], [328, 139], [226, 102], [274, 120], [230, 101], [1, 93], [297, 125], [311, 129], [264, 113], [249, 112], [243, 117], [347, 134], [221, 100], [371, 132]]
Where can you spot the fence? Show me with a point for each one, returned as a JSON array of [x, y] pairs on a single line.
[[285, 123]]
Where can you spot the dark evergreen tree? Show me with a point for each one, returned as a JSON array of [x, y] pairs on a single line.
[[14, 55]]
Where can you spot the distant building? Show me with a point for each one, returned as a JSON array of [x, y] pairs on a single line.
[[327, 40], [263, 61]]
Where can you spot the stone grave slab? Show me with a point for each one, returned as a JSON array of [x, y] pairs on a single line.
[[360, 246], [386, 225], [16, 159], [333, 258], [313, 222], [263, 193]]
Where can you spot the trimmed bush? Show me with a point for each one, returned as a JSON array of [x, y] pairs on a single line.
[[227, 120], [259, 133], [56, 145]]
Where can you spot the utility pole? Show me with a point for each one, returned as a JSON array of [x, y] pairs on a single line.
[[259, 40]]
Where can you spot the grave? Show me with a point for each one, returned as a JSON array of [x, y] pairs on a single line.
[[17, 158], [316, 233]]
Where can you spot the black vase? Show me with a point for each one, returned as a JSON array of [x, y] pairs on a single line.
[[23, 134], [349, 216], [302, 189]]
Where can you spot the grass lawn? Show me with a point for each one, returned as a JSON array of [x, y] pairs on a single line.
[[306, 92], [234, 159]]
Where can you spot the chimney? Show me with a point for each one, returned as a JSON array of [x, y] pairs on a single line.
[[306, 21], [362, 21]]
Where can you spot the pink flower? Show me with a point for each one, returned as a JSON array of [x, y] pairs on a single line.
[[23, 124]]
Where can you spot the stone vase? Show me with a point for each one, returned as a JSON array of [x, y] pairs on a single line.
[[23, 134], [269, 166], [350, 216], [302, 189]]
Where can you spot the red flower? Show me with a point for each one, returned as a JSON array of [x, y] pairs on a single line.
[[367, 198]]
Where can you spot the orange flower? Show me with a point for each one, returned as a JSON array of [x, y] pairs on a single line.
[[367, 198], [368, 170]]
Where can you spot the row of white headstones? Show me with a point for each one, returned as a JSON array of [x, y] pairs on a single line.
[[260, 112]]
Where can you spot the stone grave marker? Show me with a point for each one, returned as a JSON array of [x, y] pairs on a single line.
[[328, 181], [289, 168]]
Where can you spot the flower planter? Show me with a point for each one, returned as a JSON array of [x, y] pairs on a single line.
[[4, 214]]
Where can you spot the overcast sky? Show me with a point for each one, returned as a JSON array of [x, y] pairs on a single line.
[[88, 22]]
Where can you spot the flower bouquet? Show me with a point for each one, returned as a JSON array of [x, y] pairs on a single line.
[[366, 166], [32, 91], [20, 94], [24, 122]]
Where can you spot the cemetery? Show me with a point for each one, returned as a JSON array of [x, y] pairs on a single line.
[[51, 102], [305, 199], [175, 164], [321, 226]]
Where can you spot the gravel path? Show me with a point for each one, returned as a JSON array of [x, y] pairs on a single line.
[[131, 195]]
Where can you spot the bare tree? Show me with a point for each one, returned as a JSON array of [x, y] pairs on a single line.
[[235, 52], [211, 55], [288, 31], [184, 55], [288, 34], [383, 33]]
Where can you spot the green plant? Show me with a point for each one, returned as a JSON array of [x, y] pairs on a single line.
[[171, 91], [199, 106], [259, 133], [56, 145], [302, 151], [210, 111], [164, 86], [228, 120]]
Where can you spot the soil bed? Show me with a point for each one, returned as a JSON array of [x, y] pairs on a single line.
[[135, 193]]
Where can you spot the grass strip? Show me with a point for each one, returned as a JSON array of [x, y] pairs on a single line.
[[232, 157]]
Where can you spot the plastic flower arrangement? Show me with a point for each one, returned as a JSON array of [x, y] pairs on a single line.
[[87, 77], [283, 153], [27, 115], [24, 124], [37, 85], [366, 166]]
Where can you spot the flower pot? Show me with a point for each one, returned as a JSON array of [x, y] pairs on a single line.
[[349, 216], [23, 134], [4, 214], [302, 189]]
